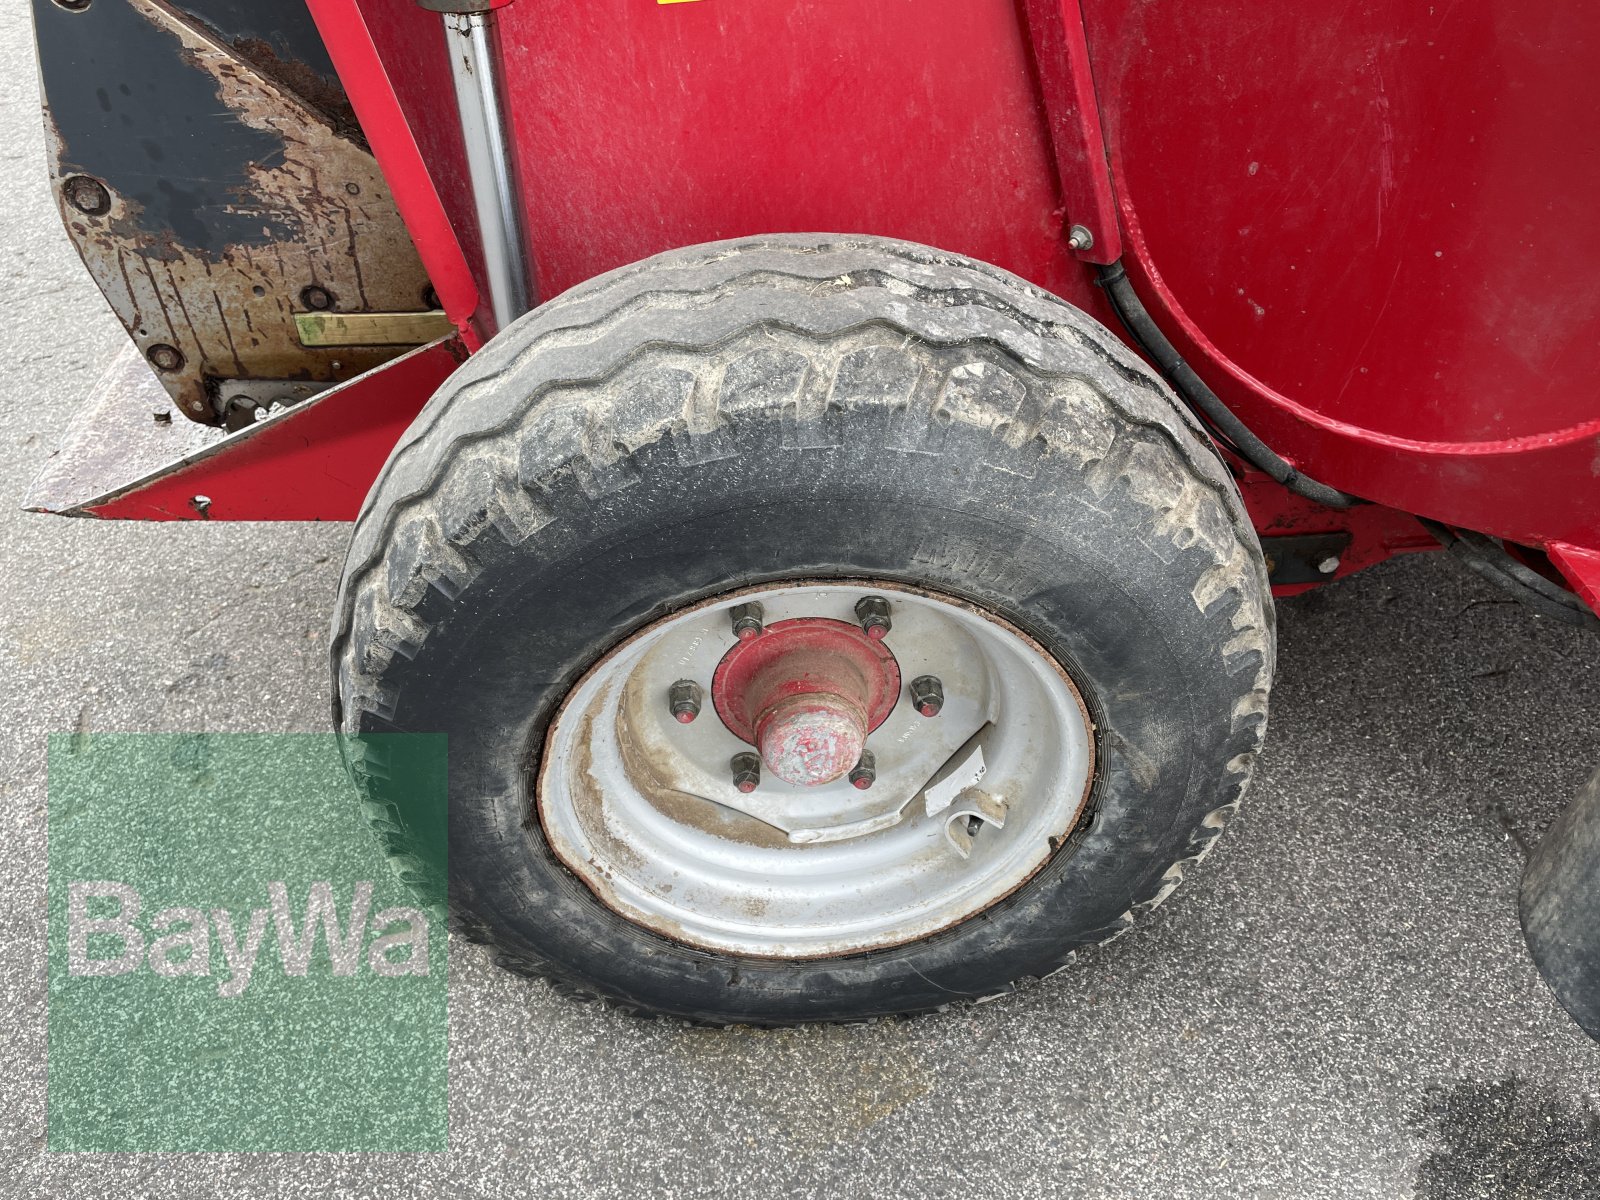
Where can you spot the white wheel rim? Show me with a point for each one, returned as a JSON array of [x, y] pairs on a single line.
[[643, 809]]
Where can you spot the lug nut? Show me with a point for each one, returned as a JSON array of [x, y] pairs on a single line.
[[865, 772], [746, 771], [927, 693], [685, 698], [746, 620], [873, 613]]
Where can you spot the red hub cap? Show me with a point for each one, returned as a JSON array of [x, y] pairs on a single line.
[[806, 693]]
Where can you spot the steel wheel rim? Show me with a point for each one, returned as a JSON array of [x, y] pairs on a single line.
[[644, 812]]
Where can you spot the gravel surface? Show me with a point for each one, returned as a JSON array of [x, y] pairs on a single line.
[[1338, 1004]]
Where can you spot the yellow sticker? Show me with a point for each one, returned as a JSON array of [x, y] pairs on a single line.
[[677, 1]]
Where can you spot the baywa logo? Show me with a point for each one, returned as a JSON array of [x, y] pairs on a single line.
[[234, 963], [180, 939]]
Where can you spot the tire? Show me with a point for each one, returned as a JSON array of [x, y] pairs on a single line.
[[816, 407]]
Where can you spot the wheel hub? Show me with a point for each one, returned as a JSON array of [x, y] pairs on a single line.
[[806, 693]]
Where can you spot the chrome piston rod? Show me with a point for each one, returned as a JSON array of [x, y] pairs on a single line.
[[474, 65]]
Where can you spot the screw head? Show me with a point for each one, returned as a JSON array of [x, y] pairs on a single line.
[[927, 693], [865, 773], [1080, 239], [746, 772], [873, 613], [685, 700], [1328, 565], [747, 619], [87, 194], [316, 297], [164, 357]]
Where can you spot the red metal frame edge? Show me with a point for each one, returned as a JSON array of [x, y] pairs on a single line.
[[372, 95], [1581, 566], [1072, 116], [313, 462]]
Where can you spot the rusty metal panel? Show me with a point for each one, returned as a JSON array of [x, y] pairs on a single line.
[[212, 202]]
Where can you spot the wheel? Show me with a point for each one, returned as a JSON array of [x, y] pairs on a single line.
[[823, 627]]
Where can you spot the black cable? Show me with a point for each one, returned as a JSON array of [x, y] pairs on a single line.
[[1193, 389], [1489, 559], [1212, 432]]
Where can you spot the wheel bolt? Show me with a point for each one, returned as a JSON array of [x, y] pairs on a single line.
[[746, 620], [88, 195], [873, 613], [164, 357], [865, 772], [927, 693], [685, 699], [746, 771]]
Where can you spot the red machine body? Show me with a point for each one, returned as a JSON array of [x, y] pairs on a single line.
[[1369, 229]]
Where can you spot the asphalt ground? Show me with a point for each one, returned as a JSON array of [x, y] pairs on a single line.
[[1337, 1004]]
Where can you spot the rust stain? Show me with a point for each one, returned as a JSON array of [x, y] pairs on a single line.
[[818, 1087], [320, 92], [640, 756], [302, 196]]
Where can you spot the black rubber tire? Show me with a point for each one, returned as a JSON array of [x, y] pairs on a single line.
[[803, 406]]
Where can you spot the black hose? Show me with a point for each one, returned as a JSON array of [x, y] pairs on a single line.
[[1194, 390], [1488, 558]]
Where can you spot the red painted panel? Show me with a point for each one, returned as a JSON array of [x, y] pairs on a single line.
[[641, 127], [1372, 228]]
